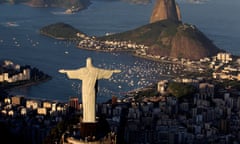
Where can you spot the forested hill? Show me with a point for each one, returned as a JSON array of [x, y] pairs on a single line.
[[169, 38], [61, 31]]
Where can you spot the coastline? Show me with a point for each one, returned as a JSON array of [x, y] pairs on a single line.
[[32, 5], [103, 50], [24, 84], [132, 53], [157, 60], [51, 36]]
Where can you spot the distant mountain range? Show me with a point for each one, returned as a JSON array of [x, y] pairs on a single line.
[[131, 1], [52, 3]]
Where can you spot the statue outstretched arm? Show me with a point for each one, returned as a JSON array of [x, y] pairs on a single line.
[[116, 71], [73, 74], [63, 71], [106, 74]]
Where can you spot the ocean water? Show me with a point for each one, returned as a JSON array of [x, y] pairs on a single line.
[[21, 42], [218, 19]]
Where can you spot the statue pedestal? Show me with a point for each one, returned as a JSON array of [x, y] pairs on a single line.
[[94, 130], [91, 133], [88, 130]]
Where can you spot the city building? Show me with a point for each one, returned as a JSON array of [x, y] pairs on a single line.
[[74, 103]]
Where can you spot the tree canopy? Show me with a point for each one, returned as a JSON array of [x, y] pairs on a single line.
[[180, 89]]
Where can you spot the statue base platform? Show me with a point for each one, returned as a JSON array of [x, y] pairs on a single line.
[[94, 130], [88, 129]]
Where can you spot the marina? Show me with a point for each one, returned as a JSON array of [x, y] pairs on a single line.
[[138, 74]]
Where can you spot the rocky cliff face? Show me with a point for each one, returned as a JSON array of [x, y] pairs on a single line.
[[178, 12], [187, 42], [165, 9]]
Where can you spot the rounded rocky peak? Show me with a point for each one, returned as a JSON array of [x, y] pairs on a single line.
[[165, 9]]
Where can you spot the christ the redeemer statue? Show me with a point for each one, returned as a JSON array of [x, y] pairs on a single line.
[[89, 75]]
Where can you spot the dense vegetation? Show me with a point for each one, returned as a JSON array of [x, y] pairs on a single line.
[[60, 31], [56, 132], [180, 89], [148, 34], [169, 38]]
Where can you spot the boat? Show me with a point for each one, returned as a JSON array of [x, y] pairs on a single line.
[[197, 1], [72, 10], [12, 24]]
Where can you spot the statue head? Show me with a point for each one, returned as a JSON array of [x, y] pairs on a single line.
[[89, 62]]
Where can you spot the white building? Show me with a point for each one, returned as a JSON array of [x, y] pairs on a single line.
[[42, 111], [224, 57], [32, 104], [162, 86], [24, 75]]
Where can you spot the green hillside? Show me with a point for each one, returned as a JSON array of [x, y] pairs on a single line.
[[169, 38], [61, 31]]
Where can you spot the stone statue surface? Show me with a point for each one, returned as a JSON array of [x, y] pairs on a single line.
[[89, 76]]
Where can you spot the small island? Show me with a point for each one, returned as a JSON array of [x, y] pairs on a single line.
[[62, 31]]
